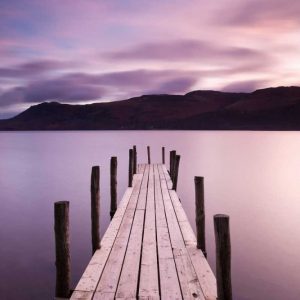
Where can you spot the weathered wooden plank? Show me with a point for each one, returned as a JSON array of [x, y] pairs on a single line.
[[169, 283], [190, 286], [91, 275], [128, 283], [80, 295], [148, 285], [167, 177], [143, 192], [110, 277], [140, 168], [149, 298], [104, 296], [204, 273]]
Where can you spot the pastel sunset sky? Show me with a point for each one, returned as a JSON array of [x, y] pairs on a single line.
[[84, 51]]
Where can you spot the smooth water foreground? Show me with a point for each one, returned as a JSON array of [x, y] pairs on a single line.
[[252, 176]]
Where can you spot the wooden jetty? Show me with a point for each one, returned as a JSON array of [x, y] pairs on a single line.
[[149, 250]]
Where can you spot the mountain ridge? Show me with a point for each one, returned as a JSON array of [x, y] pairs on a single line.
[[265, 109]]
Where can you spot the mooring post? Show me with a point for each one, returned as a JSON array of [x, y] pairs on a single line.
[[223, 257], [95, 206], [176, 170], [113, 185], [130, 169], [200, 213], [172, 159], [163, 155], [148, 152], [134, 160], [62, 249], [174, 165], [170, 162]]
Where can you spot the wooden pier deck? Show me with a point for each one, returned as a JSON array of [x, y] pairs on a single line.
[[149, 249]]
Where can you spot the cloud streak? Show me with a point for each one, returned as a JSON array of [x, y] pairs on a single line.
[[279, 13], [82, 87], [32, 68], [184, 50]]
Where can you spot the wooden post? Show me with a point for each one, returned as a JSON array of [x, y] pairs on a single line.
[[95, 205], [223, 257], [163, 155], [176, 170], [200, 213], [113, 185], [148, 152], [130, 170], [172, 162], [134, 160], [62, 249]]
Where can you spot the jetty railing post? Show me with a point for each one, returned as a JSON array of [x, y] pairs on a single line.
[[95, 206], [223, 257], [62, 249], [113, 185], [148, 152], [130, 169], [134, 160], [200, 213], [176, 170], [163, 155]]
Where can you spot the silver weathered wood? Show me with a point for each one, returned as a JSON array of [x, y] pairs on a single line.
[[113, 185], [223, 257], [172, 163], [200, 213], [190, 286], [95, 207], [62, 249], [169, 283], [93, 272], [134, 160], [148, 155], [149, 250], [130, 168], [149, 281], [109, 280], [163, 155], [175, 172]]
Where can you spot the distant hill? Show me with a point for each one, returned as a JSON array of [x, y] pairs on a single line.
[[266, 109]]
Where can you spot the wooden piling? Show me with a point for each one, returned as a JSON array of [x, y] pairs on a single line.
[[172, 159], [223, 257], [62, 249], [130, 169], [163, 155], [95, 206], [148, 152], [200, 213], [134, 160], [176, 170], [113, 185]]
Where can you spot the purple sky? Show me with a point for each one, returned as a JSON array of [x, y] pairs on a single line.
[[84, 51]]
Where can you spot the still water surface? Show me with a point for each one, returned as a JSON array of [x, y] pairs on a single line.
[[252, 176]]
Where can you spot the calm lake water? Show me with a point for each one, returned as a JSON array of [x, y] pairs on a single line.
[[252, 176]]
